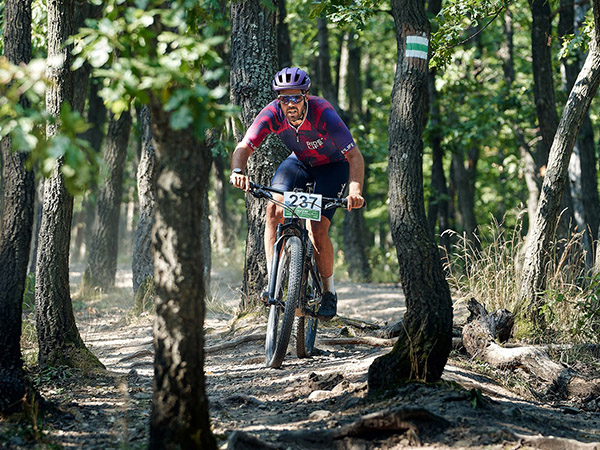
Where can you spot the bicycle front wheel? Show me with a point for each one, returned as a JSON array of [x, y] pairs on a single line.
[[306, 326], [287, 293]]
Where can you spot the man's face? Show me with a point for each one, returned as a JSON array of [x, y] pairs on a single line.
[[293, 111]]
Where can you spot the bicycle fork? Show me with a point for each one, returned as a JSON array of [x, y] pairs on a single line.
[[277, 246]]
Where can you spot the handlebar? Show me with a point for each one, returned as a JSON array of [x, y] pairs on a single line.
[[260, 191]]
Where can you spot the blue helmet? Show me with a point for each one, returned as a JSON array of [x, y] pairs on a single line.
[[291, 78]]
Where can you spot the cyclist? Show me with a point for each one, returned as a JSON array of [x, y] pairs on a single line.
[[323, 151]]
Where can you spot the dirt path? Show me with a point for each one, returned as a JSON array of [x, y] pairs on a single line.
[[309, 403]]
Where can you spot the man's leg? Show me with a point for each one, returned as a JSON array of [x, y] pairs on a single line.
[[319, 232]]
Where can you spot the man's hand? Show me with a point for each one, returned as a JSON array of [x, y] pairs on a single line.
[[240, 181], [355, 201]]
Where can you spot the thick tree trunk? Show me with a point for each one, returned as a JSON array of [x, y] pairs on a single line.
[[102, 263], [16, 222], [533, 280], [58, 336], [425, 343], [253, 66], [142, 264], [180, 405]]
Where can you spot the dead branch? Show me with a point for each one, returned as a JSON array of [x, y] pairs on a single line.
[[359, 340], [235, 342]]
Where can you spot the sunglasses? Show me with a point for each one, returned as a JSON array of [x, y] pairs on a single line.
[[295, 99]]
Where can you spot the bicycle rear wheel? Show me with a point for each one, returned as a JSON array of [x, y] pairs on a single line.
[[306, 326], [287, 292]]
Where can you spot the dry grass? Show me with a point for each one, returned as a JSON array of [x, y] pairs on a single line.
[[490, 272]]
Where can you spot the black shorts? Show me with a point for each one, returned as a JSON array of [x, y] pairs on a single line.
[[330, 179]]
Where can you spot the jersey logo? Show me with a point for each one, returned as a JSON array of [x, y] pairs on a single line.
[[313, 145]]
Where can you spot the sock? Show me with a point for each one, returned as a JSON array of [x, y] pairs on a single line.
[[328, 284]]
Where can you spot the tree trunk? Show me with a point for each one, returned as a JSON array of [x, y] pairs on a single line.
[[533, 279], [284, 46], [545, 100], [222, 229], [426, 340], [180, 406], [58, 336], [464, 172], [142, 264], [325, 81], [582, 166], [102, 263], [355, 232], [96, 117], [16, 222], [253, 66]]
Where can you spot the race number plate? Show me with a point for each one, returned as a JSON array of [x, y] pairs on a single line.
[[305, 206]]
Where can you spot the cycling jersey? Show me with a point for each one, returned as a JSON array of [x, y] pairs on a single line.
[[321, 138]]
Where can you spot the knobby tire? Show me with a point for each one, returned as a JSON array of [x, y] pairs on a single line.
[[288, 285], [306, 326]]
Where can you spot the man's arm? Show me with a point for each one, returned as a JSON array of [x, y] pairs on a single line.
[[239, 159], [357, 175]]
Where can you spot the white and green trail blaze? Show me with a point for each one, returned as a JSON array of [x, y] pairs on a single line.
[[416, 47]]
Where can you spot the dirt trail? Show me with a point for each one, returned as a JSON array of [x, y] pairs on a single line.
[[308, 403]]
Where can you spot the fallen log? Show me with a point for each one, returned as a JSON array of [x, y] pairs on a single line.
[[479, 339]]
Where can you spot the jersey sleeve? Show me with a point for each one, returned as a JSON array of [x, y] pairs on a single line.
[[264, 124]]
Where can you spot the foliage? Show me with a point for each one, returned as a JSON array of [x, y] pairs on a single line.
[[23, 118], [144, 50], [455, 19]]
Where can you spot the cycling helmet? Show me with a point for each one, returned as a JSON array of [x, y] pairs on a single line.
[[291, 78]]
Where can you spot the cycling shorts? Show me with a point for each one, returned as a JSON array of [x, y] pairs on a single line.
[[330, 179]]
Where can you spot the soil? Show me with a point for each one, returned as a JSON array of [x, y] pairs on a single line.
[[320, 402]]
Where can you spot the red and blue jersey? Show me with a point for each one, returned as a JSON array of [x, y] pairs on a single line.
[[322, 138]]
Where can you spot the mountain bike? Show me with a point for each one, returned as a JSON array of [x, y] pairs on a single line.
[[295, 286]]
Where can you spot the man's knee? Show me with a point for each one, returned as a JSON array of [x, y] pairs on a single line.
[[274, 213]]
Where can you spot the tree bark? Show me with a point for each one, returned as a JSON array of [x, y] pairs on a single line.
[[58, 336], [533, 279], [253, 66], [16, 222], [142, 264], [102, 263], [179, 416], [425, 343]]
